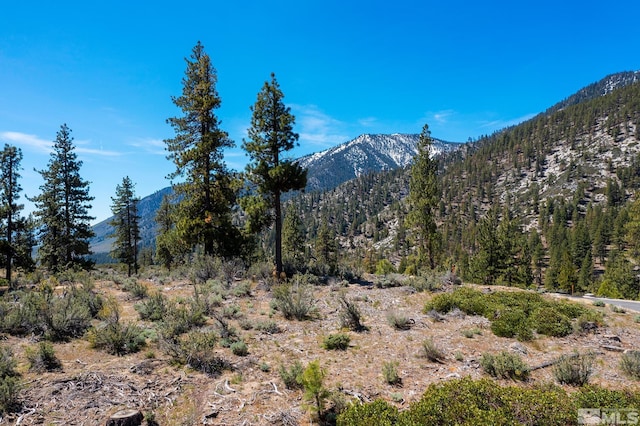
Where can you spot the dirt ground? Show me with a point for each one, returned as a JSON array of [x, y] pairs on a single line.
[[92, 384]]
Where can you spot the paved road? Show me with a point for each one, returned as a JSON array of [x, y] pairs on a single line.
[[626, 304]]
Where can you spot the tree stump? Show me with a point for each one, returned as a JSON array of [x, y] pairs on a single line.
[[125, 418]]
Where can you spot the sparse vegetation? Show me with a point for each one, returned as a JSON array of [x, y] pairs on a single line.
[[574, 369], [239, 348], [315, 393], [295, 300], [505, 365], [339, 341], [350, 316], [196, 349], [42, 358], [292, 376], [432, 352], [113, 336], [471, 332], [399, 321], [630, 364], [10, 384], [390, 373]]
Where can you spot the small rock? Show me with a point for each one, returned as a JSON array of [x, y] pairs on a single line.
[[612, 337], [612, 348], [518, 347]]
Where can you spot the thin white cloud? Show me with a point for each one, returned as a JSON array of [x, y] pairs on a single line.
[[83, 147], [501, 124], [100, 152], [368, 121], [317, 128], [25, 140], [150, 145], [443, 116], [22, 140]]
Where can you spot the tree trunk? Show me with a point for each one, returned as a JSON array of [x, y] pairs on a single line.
[[278, 215], [125, 418]]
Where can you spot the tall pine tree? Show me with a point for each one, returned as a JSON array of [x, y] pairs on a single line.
[[293, 238], [15, 249], [424, 197], [125, 223], [205, 195], [62, 209], [269, 137]]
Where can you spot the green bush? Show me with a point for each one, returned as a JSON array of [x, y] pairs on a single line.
[[66, 317], [43, 358], [630, 364], [384, 267], [432, 352], [574, 369], [295, 300], [137, 289], [10, 388], [390, 373], [315, 393], [43, 313], [513, 313], [590, 396], [181, 317], [231, 311], [471, 332], [467, 402], [424, 283], [460, 402], [339, 341], [589, 320], [349, 314], [291, 376], [242, 289], [228, 334], [153, 308], [512, 322], [505, 365], [550, 322], [10, 385], [399, 321], [7, 362], [196, 349], [268, 327], [379, 413], [239, 348], [117, 338]]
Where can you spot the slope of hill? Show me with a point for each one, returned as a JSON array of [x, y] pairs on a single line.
[[364, 154], [597, 89], [559, 174], [147, 208], [326, 169]]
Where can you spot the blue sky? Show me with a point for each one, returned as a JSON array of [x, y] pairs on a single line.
[[109, 69]]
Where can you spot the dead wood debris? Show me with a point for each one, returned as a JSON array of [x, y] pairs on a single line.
[[94, 394]]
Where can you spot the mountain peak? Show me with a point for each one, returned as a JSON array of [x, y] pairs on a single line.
[[601, 87], [363, 154]]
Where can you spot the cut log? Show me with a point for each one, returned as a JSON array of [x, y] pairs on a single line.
[[126, 418]]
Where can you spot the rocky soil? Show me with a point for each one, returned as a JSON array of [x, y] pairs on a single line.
[[93, 385]]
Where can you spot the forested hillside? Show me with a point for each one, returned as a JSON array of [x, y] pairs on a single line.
[[550, 201]]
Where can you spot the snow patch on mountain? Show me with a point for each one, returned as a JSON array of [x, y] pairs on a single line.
[[364, 154]]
